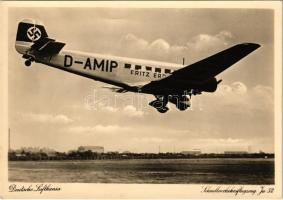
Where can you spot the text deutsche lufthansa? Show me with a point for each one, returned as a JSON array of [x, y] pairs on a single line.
[[33, 188]]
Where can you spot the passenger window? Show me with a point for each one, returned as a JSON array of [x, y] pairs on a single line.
[[167, 71], [148, 68], [127, 66], [158, 70], [137, 67]]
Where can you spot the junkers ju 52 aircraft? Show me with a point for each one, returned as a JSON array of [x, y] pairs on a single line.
[[166, 81]]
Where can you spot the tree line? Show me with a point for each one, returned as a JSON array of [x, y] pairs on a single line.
[[89, 155]]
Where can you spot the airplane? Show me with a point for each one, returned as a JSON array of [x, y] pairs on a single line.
[[168, 82]]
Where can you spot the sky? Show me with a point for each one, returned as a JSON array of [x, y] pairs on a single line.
[[55, 109]]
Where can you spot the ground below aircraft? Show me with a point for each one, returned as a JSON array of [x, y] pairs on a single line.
[[168, 82]]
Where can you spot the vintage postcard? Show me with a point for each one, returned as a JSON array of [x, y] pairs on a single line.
[[141, 100]]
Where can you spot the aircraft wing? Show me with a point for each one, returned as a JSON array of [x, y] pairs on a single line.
[[205, 69], [47, 46]]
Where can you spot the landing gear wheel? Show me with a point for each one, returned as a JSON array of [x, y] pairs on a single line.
[[162, 110], [183, 106], [32, 59], [160, 103], [156, 104], [27, 63]]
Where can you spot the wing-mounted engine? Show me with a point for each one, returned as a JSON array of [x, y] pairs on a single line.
[[209, 86]]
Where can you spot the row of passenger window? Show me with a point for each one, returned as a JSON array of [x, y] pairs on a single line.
[[147, 68]]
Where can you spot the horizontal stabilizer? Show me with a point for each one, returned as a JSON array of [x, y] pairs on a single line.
[[40, 43], [51, 48]]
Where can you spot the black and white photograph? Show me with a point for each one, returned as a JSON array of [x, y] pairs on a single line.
[[143, 95]]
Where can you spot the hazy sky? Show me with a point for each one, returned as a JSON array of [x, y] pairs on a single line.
[[52, 108]]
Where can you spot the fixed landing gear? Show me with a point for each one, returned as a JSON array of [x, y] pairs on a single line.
[[163, 109], [182, 106], [160, 104], [180, 101], [29, 60], [27, 63]]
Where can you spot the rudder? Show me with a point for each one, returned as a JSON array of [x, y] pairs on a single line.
[[29, 31]]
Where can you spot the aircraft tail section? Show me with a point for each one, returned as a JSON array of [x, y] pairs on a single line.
[[29, 31]]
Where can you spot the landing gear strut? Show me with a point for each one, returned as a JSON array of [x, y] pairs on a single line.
[[160, 104], [181, 101], [29, 60]]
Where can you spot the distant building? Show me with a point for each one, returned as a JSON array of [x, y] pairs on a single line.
[[261, 152], [30, 149], [94, 149], [18, 155], [113, 152], [47, 150], [37, 150], [235, 152], [192, 152], [51, 154]]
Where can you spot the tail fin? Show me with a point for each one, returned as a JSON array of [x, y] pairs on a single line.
[[29, 31]]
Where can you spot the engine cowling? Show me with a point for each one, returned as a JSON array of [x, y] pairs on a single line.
[[210, 85]]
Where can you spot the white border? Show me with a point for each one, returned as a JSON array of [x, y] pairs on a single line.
[[76, 190]]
